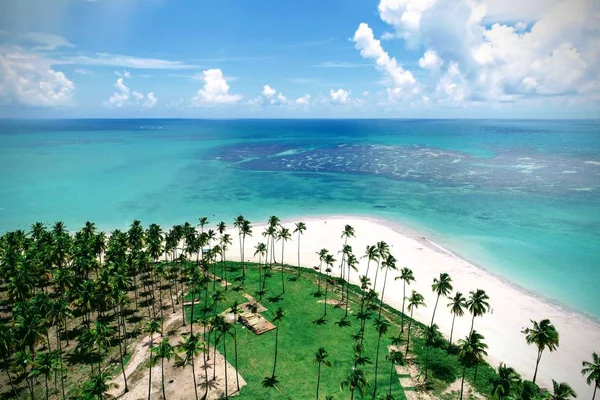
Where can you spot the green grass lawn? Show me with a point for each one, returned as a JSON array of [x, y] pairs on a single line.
[[299, 339]]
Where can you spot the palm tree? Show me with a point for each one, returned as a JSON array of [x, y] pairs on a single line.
[[355, 379], [152, 327], [477, 304], [191, 347], [44, 364], [329, 261], [300, 228], [24, 359], [406, 275], [441, 286], [97, 387], [235, 310], [202, 222], [30, 328], [543, 334], [261, 250], [505, 380], [395, 357], [246, 230], [279, 315], [432, 335], [371, 254], [592, 370], [283, 235], [388, 263], [382, 251], [346, 234], [162, 351], [456, 308], [382, 326], [321, 357], [322, 254], [414, 301], [562, 391], [7, 346], [472, 350]]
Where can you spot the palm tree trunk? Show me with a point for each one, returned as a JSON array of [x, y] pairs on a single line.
[[12, 385], [376, 367], [452, 330], [282, 280], [318, 379], [160, 303], [403, 301], [376, 272], [162, 374], [383, 292], [475, 375], [434, 308], [243, 263], [426, 361], [194, 376], [472, 323], [46, 380], [391, 379], [595, 387], [150, 370], [276, 344], [237, 374], [299, 263], [192, 312], [225, 362], [408, 339], [462, 382], [537, 363], [62, 378], [121, 356], [326, 287]]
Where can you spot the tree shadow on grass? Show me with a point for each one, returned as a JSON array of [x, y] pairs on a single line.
[[293, 278], [317, 294], [343, 322], [270, 381], [320, 321], [275, 299], [238, 288]]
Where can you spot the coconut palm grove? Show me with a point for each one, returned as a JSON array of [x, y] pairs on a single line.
[[138, 313]]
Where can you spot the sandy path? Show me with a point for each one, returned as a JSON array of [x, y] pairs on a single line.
[[512, 306]]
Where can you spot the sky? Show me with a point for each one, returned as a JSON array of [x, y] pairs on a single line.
[[300, 59]]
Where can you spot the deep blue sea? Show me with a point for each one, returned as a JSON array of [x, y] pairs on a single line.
[[519, 198]]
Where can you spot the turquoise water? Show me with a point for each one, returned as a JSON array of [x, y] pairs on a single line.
[[520, 198]]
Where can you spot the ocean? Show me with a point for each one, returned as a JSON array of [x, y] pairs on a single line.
[[518, 198]]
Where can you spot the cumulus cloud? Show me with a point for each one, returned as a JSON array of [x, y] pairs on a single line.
[[339, 96], [268, 91], [151, 100], [430, 60], [124, 97], [29, 79], [555, 53], [124, 74], [215, 91], [371, 48], [303, 100]]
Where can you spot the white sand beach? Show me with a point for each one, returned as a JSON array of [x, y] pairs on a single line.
[[513, 307]]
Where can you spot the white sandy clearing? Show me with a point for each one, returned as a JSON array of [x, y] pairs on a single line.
[[513, 307]]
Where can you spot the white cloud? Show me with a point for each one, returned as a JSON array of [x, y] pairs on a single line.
[[83, 71], [502, 50], [303, 100], [176, 104], [137, 95], [151, 100], [124, 74], [215, 91], [430, 60], [29, 79], [268, 91], [371, 48], [339, 96], [120, 97], [119, 60]]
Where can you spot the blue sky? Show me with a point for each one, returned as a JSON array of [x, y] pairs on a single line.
[[334, 58]]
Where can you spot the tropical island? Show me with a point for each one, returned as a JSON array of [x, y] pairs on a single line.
[[334, 308]]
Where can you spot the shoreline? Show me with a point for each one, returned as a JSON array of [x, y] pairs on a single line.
[[512, 306]]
